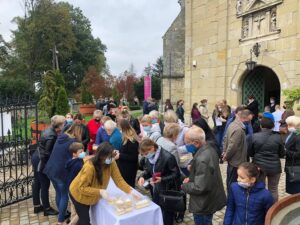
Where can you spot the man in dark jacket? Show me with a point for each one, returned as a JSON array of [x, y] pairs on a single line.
[[204, 184], [46, 143]]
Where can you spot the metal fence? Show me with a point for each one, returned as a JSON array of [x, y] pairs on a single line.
[[16, 174]]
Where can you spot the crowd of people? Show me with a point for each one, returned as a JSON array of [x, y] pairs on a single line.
[[79, 159]]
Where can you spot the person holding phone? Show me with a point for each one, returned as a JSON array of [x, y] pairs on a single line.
[[162, 171]]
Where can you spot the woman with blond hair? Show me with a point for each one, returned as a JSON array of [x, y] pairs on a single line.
[[127, 157], [55, 168]]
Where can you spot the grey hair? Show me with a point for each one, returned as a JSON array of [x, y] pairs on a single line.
[[196, 134], [57, 121], [154, 114], [110, 125], [293, 120], [170, 117], [97, 113]]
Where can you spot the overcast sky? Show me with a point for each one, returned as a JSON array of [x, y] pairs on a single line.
[[132, 30]]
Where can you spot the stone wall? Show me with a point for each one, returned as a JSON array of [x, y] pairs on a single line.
[[174, 58], [216, 42]]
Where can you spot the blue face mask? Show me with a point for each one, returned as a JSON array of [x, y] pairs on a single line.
[[150, 155], [147, 128], [69, 121], [82, 155], [154, 121], [108, 161], [191, 148]]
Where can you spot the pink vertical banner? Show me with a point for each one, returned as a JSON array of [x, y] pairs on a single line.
[[147, 87]]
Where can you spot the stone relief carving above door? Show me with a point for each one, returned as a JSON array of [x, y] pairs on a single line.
[[259, 18]]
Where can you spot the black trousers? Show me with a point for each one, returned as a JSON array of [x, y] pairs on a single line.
[[83, 212], [231, 176], [40, 185]]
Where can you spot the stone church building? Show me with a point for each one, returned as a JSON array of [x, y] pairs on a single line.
[[223, 37]]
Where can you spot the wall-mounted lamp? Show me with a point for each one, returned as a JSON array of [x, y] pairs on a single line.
[[194, 63], [250, 63]]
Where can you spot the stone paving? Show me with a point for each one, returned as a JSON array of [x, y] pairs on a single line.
[[22, 212]]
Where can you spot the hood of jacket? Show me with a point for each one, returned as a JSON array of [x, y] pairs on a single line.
[[71, 162], [63, 138]]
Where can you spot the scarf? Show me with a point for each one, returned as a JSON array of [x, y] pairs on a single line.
[[155, 158]]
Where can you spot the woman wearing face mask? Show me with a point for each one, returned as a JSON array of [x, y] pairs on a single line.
[[163, 172], [68, 121], [180, 110], [292, 147], [93, 126], [89, 186], [203, 109], [85, 137], [272, 104], [248, 200]]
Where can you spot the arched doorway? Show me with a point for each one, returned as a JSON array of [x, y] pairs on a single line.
[[263, 83]]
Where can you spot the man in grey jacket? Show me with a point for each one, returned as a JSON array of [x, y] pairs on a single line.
[[204, 184], [235, 145]]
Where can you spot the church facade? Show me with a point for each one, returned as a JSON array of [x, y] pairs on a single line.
[[223, 37]]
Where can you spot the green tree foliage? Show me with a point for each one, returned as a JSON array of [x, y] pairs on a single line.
[[158, 67], [62, 106], [292, 95], [50, 24], [15, 88], [47, 98], [86, 96]]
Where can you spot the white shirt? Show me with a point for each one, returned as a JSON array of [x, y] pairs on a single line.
[[277, 117]]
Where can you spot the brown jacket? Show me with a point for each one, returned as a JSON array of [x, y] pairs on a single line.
[[235, 146], [85, 188]]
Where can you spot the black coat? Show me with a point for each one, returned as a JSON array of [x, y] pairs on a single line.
[[135, 125], [180, 113], [292, 149], [267, 149], [170, 173], [253, 107], [46, 143], [128, 161]]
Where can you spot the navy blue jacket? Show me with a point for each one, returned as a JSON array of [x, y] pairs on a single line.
[[73, 166], [116, 139], [247, 206], [55, 167]]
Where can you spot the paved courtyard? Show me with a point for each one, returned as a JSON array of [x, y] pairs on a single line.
[[22, 212]]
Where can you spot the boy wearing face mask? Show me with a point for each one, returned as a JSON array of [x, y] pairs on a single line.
[[73, 166]]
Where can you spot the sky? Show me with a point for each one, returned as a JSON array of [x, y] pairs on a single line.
[[132, 30]]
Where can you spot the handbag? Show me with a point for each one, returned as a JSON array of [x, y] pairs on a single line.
[[172, 200], [293, 173]]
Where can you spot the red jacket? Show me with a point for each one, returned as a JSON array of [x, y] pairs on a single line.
[[93, 127]]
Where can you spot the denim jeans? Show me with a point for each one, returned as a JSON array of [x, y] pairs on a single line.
[[203, 219], [61, 197], [40, 185], [219, 138]]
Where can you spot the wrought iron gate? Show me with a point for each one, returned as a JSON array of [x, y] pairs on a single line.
[[254, 84], [16, 174]]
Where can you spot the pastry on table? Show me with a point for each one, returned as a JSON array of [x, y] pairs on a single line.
[[142, 204]]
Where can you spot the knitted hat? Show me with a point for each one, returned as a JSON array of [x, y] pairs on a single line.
[[269, 115]]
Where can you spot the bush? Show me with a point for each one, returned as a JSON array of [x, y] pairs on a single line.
[[86, 96], [62, 106], [134, 107], [15, 88]]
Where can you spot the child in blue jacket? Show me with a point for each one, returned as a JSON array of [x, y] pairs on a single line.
[[248, 200]]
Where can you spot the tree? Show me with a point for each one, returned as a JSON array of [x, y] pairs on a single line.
[[158, 67], [125, 85], [62, 106], [46, 102], [47, 25], [292, 95], [148, 70]]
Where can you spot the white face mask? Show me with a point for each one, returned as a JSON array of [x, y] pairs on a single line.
[[244, 185], [272, 101], [292, 129]]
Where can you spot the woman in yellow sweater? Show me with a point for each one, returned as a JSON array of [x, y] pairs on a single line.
[[90, 184]]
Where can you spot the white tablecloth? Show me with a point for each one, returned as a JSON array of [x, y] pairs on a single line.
[[103, 214]]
